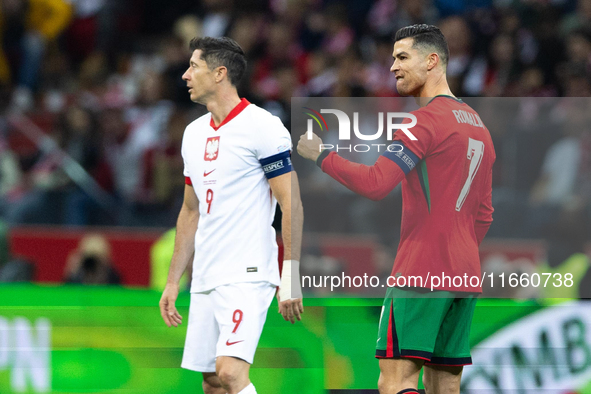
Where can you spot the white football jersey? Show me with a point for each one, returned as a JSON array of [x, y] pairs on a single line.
[[228, 167]]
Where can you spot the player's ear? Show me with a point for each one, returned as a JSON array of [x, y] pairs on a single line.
[[221, 73], [432, 61]]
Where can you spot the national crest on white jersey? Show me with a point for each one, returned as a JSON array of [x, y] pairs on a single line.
[[212, 147]]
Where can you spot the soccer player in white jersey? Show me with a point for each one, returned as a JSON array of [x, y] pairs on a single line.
[[237, 167]]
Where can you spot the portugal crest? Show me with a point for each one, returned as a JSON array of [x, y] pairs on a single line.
[[212, 147]]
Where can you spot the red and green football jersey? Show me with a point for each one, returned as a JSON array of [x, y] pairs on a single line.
[[446, 175]]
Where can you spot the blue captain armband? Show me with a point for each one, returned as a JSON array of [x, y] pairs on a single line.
[[276, 165], [402, 156]]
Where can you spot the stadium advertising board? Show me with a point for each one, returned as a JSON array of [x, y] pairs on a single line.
[[25, 353], [104, 340], [549, 349]]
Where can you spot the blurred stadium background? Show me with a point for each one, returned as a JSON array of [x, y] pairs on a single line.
[[92, 111]]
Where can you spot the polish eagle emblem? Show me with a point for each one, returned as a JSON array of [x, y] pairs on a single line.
[[212, 148]]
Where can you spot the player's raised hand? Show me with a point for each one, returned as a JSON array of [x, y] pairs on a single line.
[[167, 308], [309, 148]]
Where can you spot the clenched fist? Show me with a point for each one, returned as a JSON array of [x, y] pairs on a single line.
[[310, 149]]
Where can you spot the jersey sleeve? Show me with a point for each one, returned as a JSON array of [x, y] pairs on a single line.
[[274, 149], [373, 182], [185, 169]]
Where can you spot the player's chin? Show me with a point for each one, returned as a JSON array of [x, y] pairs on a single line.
[[401, 87]]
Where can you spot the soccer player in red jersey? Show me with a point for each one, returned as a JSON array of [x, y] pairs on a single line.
[[446, 176]]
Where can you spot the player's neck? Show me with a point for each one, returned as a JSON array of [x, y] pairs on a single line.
[[437, 87], [222, 104]]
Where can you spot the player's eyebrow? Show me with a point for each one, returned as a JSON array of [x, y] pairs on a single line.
[[400, 54]]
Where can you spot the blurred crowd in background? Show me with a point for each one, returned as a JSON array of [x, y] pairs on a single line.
[[93, 108]]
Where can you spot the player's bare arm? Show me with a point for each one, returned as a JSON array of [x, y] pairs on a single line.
[[286, 190], [184, 247]]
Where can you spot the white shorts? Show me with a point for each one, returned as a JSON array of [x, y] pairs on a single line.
[[226, 321]]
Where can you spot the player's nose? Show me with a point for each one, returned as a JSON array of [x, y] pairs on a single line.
[[185, 76]]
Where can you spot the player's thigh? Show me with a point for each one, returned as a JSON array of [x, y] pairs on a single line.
[[410, 323], [453, 341], [442, 379], [202, 335], [240, 311]]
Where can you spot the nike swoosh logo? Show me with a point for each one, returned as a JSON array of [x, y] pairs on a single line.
[[207, 173], [228, 343]]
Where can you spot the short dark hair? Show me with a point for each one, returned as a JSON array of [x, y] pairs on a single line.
[[222, 51], [426, 36]]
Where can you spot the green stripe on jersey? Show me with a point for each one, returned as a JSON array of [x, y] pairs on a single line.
[[424, 179]]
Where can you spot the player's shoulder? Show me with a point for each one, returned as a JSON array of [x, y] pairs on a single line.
[[444, 110], [201, 121], [422, 112], [193, 129], [425, 116], [262, 115], [267, 124]]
